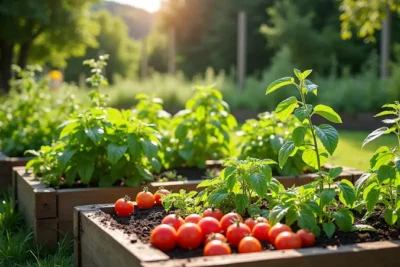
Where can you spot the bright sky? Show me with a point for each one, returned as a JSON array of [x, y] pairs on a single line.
[[149, 5]]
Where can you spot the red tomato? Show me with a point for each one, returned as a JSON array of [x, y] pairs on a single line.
[[249, 244], [307, 238], [193, 218], [287, 240], [228, 219], [145, 199], [250, 223], [216, 247], [124, 207], [215, 213], [157, 195], [164, 237], [276, 230], [237, 232], [214, 236], [261, 219], [209, 225], [189, 236], [174, 220], [260, 231]]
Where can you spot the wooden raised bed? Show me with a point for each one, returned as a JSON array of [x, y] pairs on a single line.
[[50, 210], [6, 166], [97, 244]]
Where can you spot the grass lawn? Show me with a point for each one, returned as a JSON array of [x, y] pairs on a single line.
[[349, 152]]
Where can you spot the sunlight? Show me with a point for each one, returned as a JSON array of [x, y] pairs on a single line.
[[148, 5]]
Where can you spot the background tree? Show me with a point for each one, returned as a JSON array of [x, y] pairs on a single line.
[[47, 29]]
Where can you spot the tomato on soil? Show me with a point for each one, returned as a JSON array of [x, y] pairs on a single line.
[[237, 232], [164, 237], [157, 195], [145, 199], [209, 225], [249, 244], [250, 223], [124, 207], [190, 236], [228, 220], [307, 238], [287, 240], [216, 247], [174, 220], [215, 213], [276, 230], [193, 218], [214, 236], [260, 231]]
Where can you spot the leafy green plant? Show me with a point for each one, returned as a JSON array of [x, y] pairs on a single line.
[[30, 115], [381, 184], [171, 176], [186, 203], [202, 129], [151, 110], [264, 137]]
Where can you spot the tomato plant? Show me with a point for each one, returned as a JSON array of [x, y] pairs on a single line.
[[209, 225], [213, 212], [164, 237], [287, 240], [216, 248], [145, 199], [307, 238], [249, 244], [186, 203], [236, 232], [157, 195], [202, 129], [151, 110], [174, 220], [190, 236], [124, 207]]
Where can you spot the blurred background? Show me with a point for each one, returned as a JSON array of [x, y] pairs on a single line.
[[164, 47]]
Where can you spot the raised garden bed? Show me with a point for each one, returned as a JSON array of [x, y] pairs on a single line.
[[50, 210], [102, 239], [6, 166]]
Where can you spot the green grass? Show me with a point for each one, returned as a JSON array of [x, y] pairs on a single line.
[[349, 152]]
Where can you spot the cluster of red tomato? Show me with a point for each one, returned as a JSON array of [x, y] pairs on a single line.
[[209, 228], [124, 206]]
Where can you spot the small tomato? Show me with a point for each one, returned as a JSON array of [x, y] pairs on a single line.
[[287, 240], [249, 244], [124, 207], [276, 230], [193, 218], [212, 212], [214, 236], [209, 225], [260, 231], [164, 237], [190, 236], [157, 195], [307, 238], [216, 247], [145, 199], [237, 232], [174, 220]]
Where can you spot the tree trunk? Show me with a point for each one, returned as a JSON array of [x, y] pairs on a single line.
[[23, 54], [6, 55]]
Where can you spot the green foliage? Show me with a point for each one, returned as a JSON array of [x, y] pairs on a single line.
[[186, 203], [381, 185], [30, 115], [202, 129], [150, 110], [263, 138]]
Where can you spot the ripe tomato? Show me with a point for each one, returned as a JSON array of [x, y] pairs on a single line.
[[250, 223], [193, 218], [214, 236], [261, 219], [145, 199], [249, 244], [157, 195], [215, 213], [228, 219], [307, 238], [164, 237], [209, 225], [124, 207], [216, 247], [189, 236], [260, 231], [237, 232], [276, 230], [174, 220], [287, 240]]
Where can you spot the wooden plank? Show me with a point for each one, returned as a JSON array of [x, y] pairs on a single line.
[[46, 233], [6, 166]]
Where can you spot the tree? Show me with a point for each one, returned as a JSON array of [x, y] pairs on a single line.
[[45, 30]]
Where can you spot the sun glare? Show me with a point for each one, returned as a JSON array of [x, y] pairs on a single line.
[[148, 5]]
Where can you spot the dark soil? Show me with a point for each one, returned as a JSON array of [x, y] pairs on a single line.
[[143, 221]]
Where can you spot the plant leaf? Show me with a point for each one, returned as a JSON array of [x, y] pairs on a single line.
[[375, 134], [386, 172], [279, 83], [298, 74], [85, 171], [328, 113], [326, 196], [288, 149], [115, 152], [310, 157], [150, 149], [344, 219], [277, 213], [335, 172], [65, 157], [285, 108], [306, 73], [258, 182], [328, 136], [134, 146], [329, 229], [371, 195], [95, 134], [217, 197], [298, 135], [347, 194], [306, 220], [302, 113], [155, 163], [385, 112], [310, 86], [242, 202], [390, 216]]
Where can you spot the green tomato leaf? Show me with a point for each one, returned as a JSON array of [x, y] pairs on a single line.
[[326, 196], [217, 197], [347, 194], [375, 134], [258, 182], [242, 202], [306, 220], [287, 150], [298, 135], [115, 152], [85, 171], [285, 108], [277, 213], [335, 172], [371, 195], [390, 216], [279, 83], [302, 113], [310, 157], [344, 219], [328, 113], [329, 229], [328, 136], [386, 172], [95, 134]]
